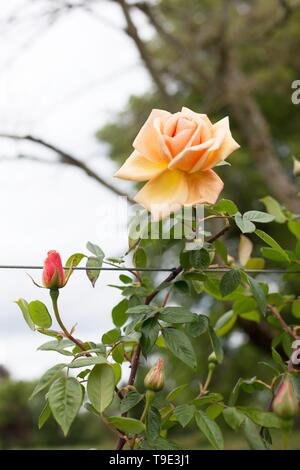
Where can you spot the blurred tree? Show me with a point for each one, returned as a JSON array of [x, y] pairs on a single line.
[[233, 57]]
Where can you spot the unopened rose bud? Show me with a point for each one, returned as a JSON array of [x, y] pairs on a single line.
[[53, 273], [285, 404], [155, 378]]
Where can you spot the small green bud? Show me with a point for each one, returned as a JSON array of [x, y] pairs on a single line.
[[155, 379], [212, 359], [285, 404]]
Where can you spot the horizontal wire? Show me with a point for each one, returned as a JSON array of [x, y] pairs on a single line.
[[129, 269]]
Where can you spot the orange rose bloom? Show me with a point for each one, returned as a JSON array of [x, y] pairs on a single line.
[[175, 153]]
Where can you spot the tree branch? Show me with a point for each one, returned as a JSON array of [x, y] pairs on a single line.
[[133, 33], [68, 159]]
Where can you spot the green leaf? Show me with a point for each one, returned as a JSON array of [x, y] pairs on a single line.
[[233, 417], [262, 418], [111, 336], [93, 274], [44, 415], [226, 206], [197, 327], [141, 310], [25, 311], [140, 258], [153, 422], [159, 443], [130, 401], [272, 243], [150, 330], [210, 429], [274, 208], [58, 346], [74, 260], [87, 361], [199, 259], [296, 308], [127, 425], [176, 392], [272, 254], [119, 315], [95, 250], [65, 398], [294, 228], [225, 323], [101, 386], [245, 226], [178, 343], [208, 399], [216, 345], [258, 294], [176, 315], [184, 414], [230, 281], [39, 314], [118, 353], [252, 435], [258, 216], [47, 378]]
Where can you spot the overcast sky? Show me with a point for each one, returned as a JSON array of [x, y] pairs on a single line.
[[59, 83]]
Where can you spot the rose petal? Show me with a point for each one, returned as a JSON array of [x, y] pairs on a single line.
[[164, 194], [148, 142], [204, 187], [177, 143], [224, 144], [139, 168], [191, 157]]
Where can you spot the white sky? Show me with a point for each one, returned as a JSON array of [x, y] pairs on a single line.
[[62, 87]]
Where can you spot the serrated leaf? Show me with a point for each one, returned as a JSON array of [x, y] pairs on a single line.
[[210, 429], [176, 315], [47, 378], [127, 425], [86, 361], [65, 398], [101, 386], [111, 336], [176, 392], [230, 281], [179, 344], [153, 422], [44, 415], [233, 417], [130, 401], [199, 259], [184, 413]]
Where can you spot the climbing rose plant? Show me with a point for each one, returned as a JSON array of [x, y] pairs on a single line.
[[175, 154]]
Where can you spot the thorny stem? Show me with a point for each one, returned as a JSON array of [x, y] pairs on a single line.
[[175, 272]]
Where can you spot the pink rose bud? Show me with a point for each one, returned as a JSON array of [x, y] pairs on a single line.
[[53, 273], [285, 404], [155, 378]]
